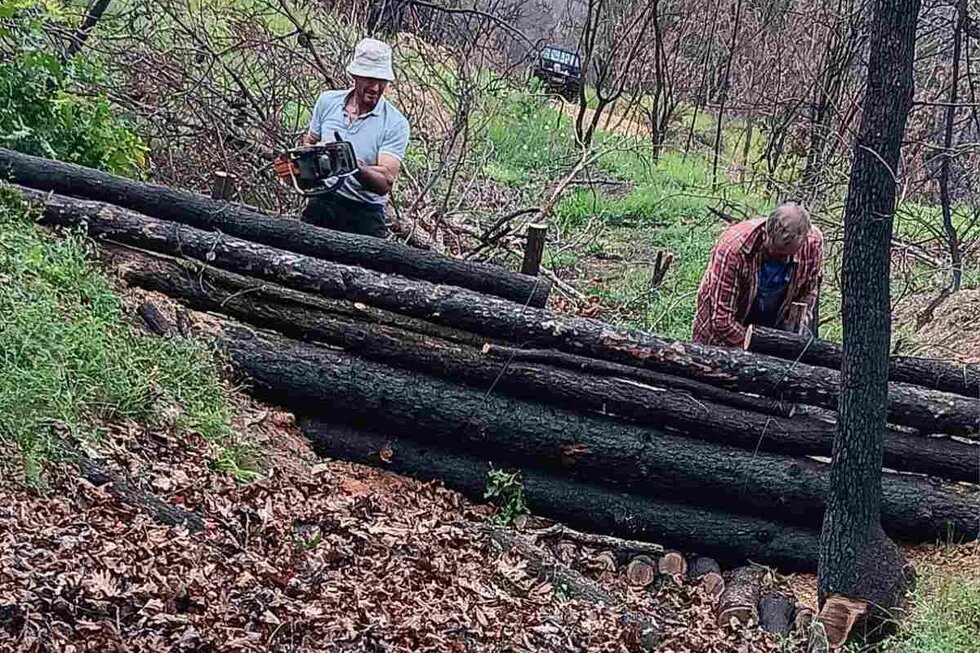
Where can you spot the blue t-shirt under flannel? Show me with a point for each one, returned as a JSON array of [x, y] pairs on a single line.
[[774, 277], [383, 131]]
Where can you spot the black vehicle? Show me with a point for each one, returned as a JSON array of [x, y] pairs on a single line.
[[561, 71]]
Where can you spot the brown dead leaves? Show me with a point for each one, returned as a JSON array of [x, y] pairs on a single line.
[[315, 556]]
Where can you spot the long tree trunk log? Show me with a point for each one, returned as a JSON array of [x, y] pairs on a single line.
[[605, 368], [460, 308], [308, 317], [250, 224], [318, 380], [728, 537], [926, 372]]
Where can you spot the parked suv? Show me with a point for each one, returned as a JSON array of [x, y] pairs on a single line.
[[561, 71]]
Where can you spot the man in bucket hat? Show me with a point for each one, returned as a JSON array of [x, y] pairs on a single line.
[[377, 131]]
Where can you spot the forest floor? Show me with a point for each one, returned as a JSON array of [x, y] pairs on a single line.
[[312, 555], [317, 555]]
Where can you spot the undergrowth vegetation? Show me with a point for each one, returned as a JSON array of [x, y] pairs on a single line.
[[70, 359], [945, 616], [43, 110]]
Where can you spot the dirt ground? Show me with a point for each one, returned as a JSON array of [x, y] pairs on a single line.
[[952, 334]]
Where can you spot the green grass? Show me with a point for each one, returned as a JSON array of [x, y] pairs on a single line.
[[69, 359], [945, 616]]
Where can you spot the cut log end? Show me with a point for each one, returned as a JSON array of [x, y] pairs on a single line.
[[672, 564], [605, 561], [713, 584], [739, 603], [776, 613], [746, 616], [641, 571], [838, 616]]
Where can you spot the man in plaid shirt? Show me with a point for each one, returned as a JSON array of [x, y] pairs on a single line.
[[758, 269]]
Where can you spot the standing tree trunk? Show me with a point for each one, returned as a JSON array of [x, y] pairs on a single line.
[[861, 572], [843, 43], [945, 201]]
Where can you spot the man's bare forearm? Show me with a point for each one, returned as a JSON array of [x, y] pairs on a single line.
[[376, 179]]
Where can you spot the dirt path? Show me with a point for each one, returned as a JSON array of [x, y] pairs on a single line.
[[614, 122]]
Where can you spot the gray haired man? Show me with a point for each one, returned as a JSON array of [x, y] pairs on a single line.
[[758, 270]]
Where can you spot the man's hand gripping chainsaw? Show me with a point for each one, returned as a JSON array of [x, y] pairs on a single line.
[[317, 169]]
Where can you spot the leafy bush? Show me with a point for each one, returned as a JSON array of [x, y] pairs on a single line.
[[43, 108]]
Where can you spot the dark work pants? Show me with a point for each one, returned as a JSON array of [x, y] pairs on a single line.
[[332, 211]]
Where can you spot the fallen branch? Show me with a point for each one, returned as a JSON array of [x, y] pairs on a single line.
[[619, 546], [122, 489]]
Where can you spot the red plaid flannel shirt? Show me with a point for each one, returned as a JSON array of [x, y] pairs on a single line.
[[729, 284]]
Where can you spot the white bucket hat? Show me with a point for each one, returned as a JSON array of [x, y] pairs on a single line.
[[372, 58]]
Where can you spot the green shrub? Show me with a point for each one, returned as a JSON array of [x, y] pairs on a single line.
[[69, 360], [43, 110]]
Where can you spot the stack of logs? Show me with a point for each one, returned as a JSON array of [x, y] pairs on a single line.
[[444, 369]]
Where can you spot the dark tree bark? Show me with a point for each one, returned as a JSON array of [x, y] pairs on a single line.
[[728, 537], [406, 345], [155, 320], [243, 222], [463, 309], [925, 372], [776, 612], [600, 367], [317, 380], [857, 560]]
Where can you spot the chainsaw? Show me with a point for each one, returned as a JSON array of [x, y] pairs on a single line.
[[317, 169]]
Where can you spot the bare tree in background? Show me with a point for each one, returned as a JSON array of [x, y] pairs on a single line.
[[843, 29]]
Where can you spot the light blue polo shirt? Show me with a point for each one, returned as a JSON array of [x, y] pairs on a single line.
[[383, 131]]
